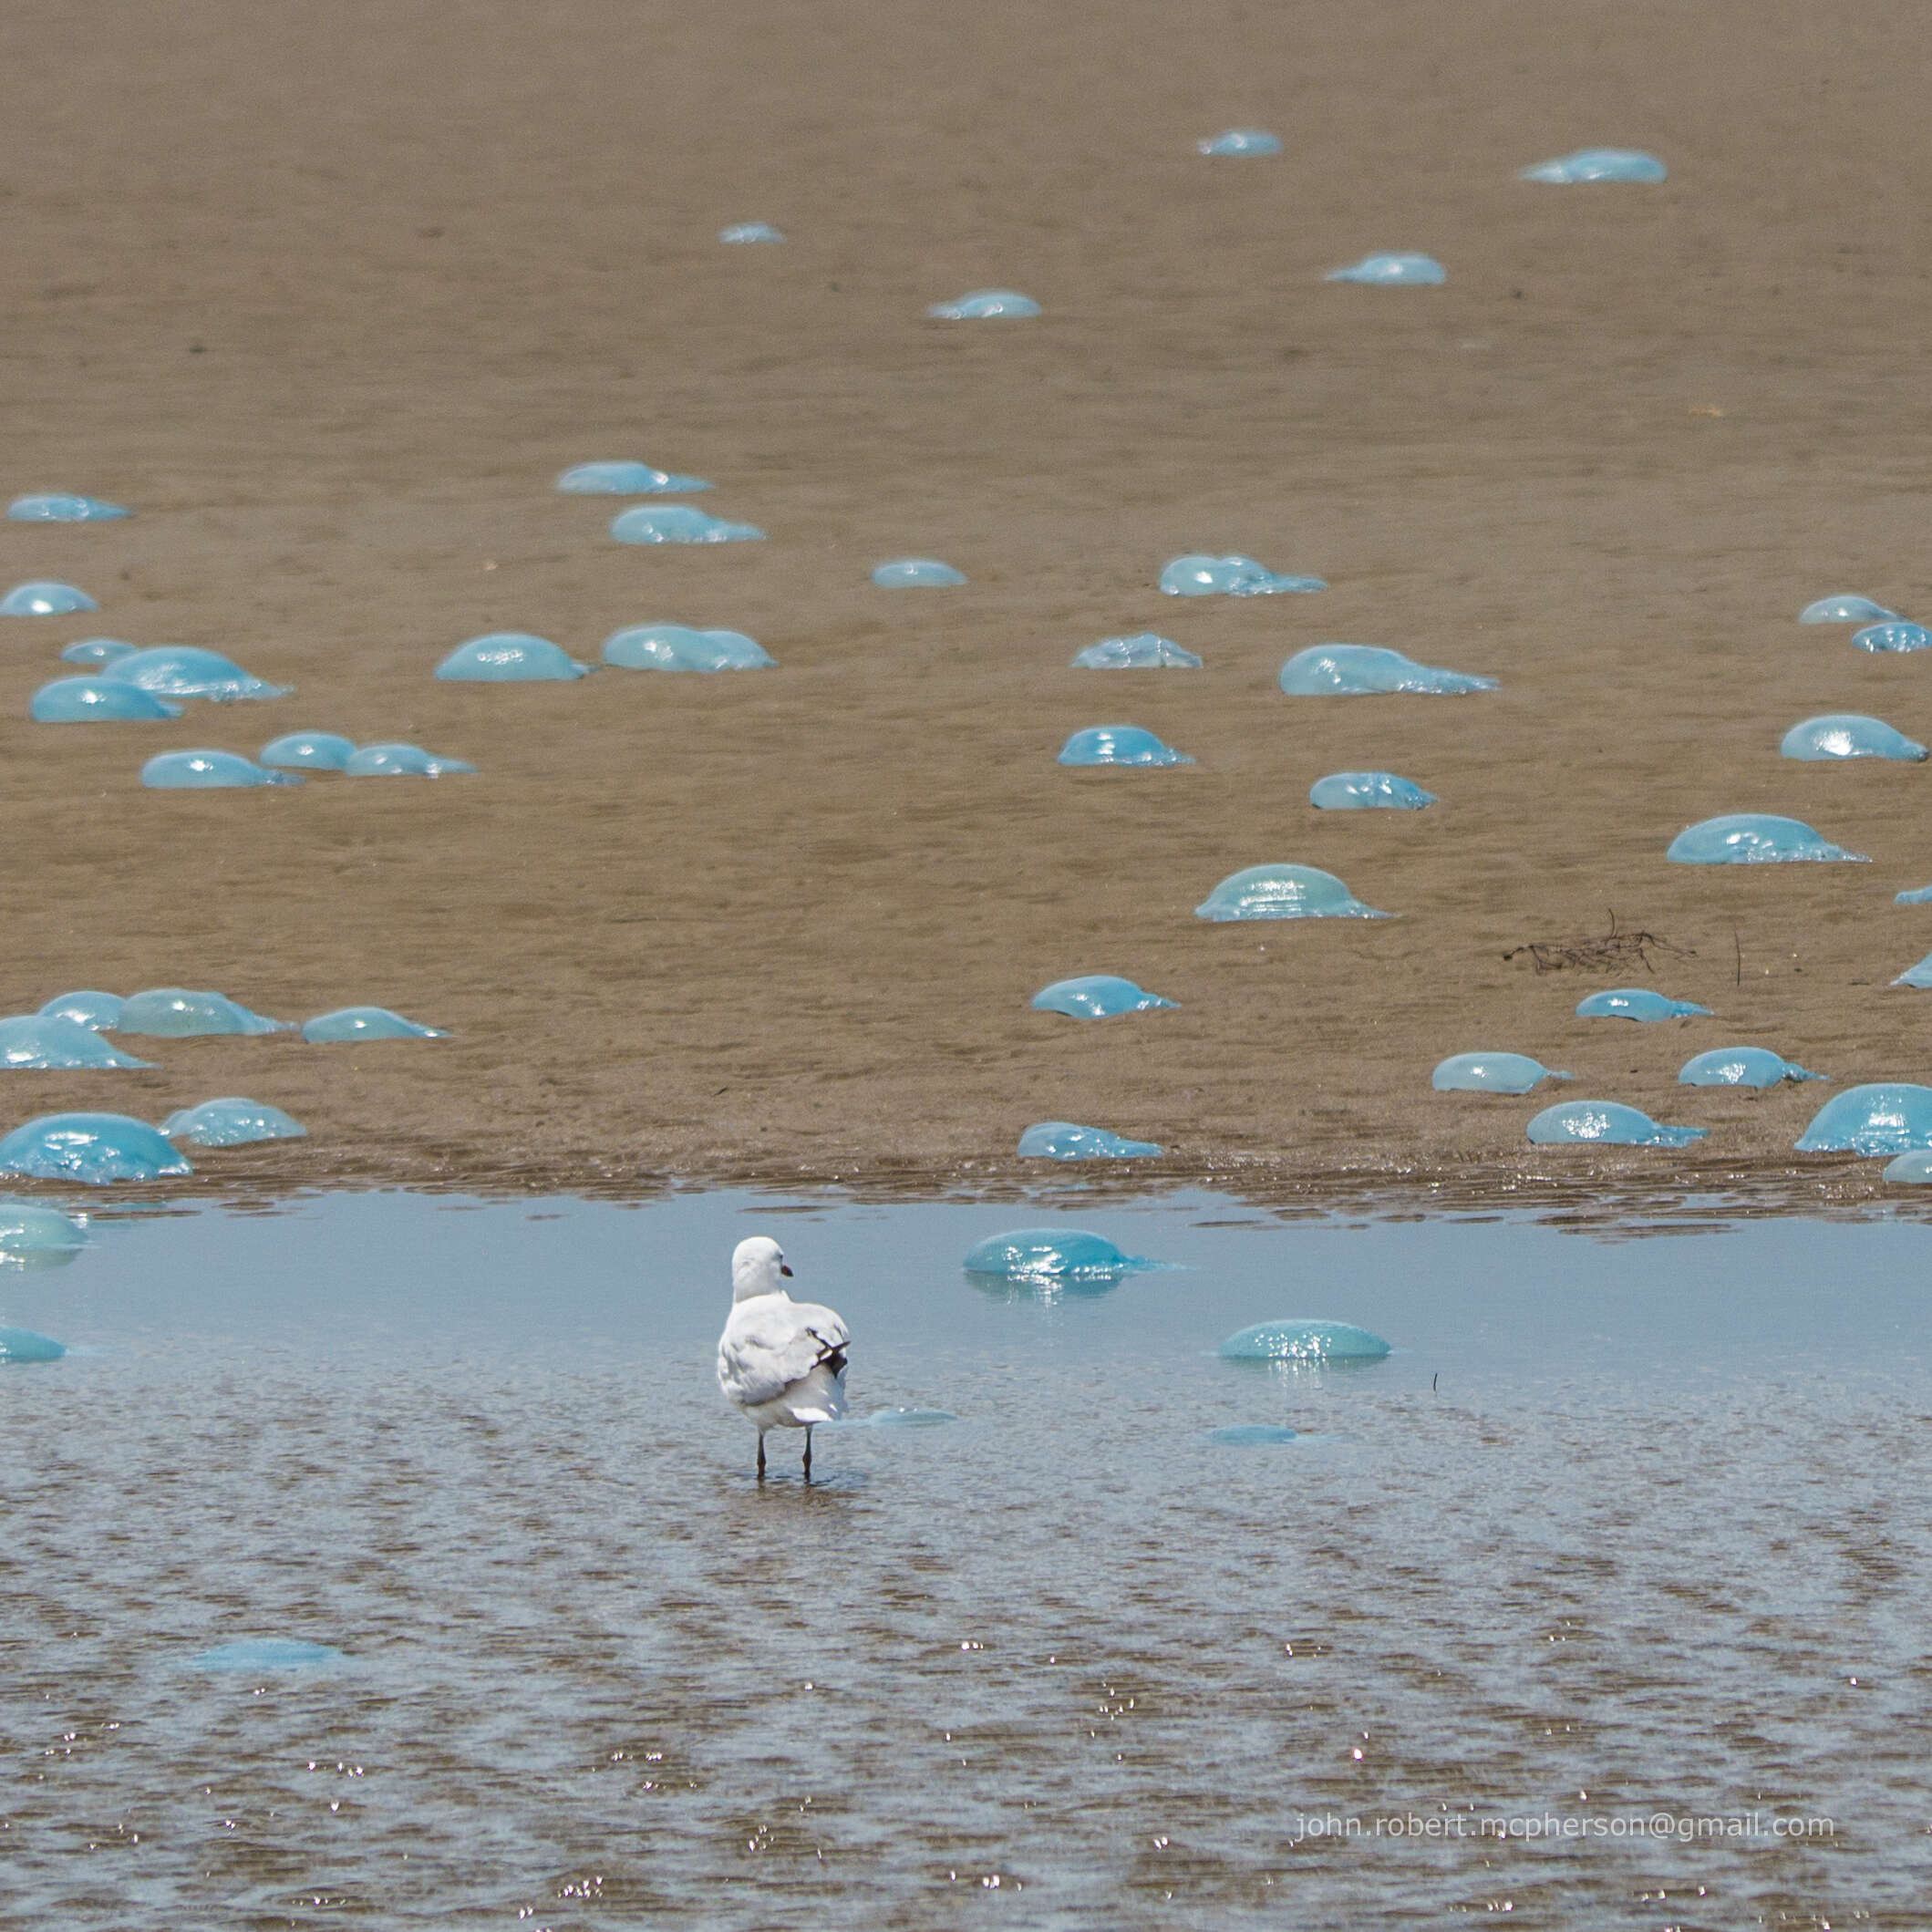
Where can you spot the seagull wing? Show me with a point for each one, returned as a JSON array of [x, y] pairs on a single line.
[[771, 1343]]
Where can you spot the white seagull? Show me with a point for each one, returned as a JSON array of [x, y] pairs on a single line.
[[781, 1363]]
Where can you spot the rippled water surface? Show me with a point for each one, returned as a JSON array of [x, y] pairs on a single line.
[[1643, 1520]]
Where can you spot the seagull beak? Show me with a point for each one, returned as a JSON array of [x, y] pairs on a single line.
[[784, 1269]]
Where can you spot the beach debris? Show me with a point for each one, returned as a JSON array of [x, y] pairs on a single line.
[[348, 1025], [308, 751], [24, 1345], [1067, 1140], [91, 700], [1304, 1341], [1608, 952], [509, 658], [1197, 574], [186, 670], [56, 507], [1142, 652], [1240, 141], [1847, 733], [1119, 745], [1755, 838], [915, 573], [180, 1013], [1607, 1122], [34, 1235], [1387, 271], [1491, 1073], [1884, 1117], [94, 652], [101, 1011], [1097, 996], [1055, 1253], [1361, 670], [1896, 637], [742, 233], [1845, 607], [231, 1121], [1282, 892], [203, 769], [982, 304], [44, 599], [1367, 791], [48, 1040], [1639, 1003], [678, 647], [1742, 1067], [401, 760], [96, 1148], [679, 523], [1597, 164], [621, 478]]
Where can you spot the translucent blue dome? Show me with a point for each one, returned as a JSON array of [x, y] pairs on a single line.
[[1915, 1167], [627, 480], [92, 1148], [1387, 271], [1142, 652], [983, 302], [1843, 607], [1282, 892], [400, 760], [1491, 1073], [1361, 670], [509, 658], [679, 523], [1741, 1067], [45, 600], [1057, 1253], [86, 700], [1367, 791], [1250, 1435], [1755, 838], [180, 1013], [57, 509], [1847, 733], [1634, 1003], [1606, 1123], [1598, 164], [1919, 895], [1240, 141], [206, 770], [1896, 636], [231, 1121], [1919, 975], [23, 1345], [1887, 1117], [94, 652], [100, 1011], [33, 1236], [1200, 575], [185, 670], [267, 1653], [52, 1040], [1095, 995], [1064, 1140], [1304, 1341], [308, 751], [1119, 745], [350, 1024], [915, 573], [678, 647], [742, 232]]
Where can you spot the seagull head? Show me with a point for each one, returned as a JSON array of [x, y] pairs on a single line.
[[758, 1268]]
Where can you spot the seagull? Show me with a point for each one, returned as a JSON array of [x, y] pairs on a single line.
[[781, 1363]]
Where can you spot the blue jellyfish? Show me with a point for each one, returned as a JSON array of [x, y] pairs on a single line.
[[915, 573], [349, 1024], [55, 508], [1367, 791], [1755, 838], [45, 600], [180, 1013], [1240, 141], [185, 670], [1919, 975], [1052, 1252], [308, 751], [53, 1040], [1915, 1167], [679, 523], [267, 1653], [1198, 574], [1307, 1342], [401, 761], [1491, 1073], [100, 1011], [23, 1345], [1282, 892], [1361, 670], [1843, 607], [1887, 1117], [1846, 734], [205, 770], [1634, 1003], [1741, 1067], [1141, 652], [1391, 271], [1065, 1141], [1097, 996], [1119, 745], [982, 302], [1919, 895], [627, 480], [509, 658], [94, 652], [1608, 1122], [1250, 1435], [1898, 636], [743, 232], [896, 1419], [678, 647], [33, 1236], [231, 1121], [86, 700], [1597, 164], [92, 1148]]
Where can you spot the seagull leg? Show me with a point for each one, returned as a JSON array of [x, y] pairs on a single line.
[[762, 1455], [808, 1452]]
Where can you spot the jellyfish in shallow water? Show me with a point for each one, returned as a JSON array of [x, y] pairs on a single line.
[[1887, 1117], [627, 480], [1741, 1067], [915, 573], [679, 523], [401, 761], [94, 652], [89, 700], [92, 1148], [33, 1236], [1845, 608], [1755, 838], [1119, 745], [185, 670], [1200, 575], [231, 1121], [984, 302], [1367, 791], [1141, 652], [23, 1345], [59, 509], [180, 1013], [1390, 271], [678, 647], [1919, 975], [1915, 1167], [267, 1653], [360, 1023], [1052, 1253], [308, 751], [1240, 141], [1898, 636], [1282, 892], [896, 1419], [206, 770], [1250, 1435], [1920, 895], [1634, 1003], [509, 658], [743, 232], [1309, 1342], [51, 1040], [1491, 1073], [1846, 734], [1607, 1122], [1067, 1140], [1363, 670], [1597, 164], [1097, 996], [42, 599], [101, 1011]]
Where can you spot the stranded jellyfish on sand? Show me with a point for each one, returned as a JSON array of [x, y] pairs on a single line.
[[1119, 745], [1491, 1073], [509, 658], [915, 573], [984, 304], [1282, 892], [1607, 1122], [308, 751], [186, 670], [97, 700], [1741, 1067], [1367, 791], [1388, 270], [1362, 670], [627, 480], [400, 760], [43, 599], [1067, 1140], [93, 1148], [180, 1013], [1240, 141], [679, 647], [1200, 575], [1097, 996], [1843, 607], [1847, 733], [48, 1040], [1755, 838], [1596, 164], [679, 523], [1885, 1117], [207, 770], [1634, 1003], [59, 508], [1896, 637], [231, 1121], [100, 1011], [1142, 652], [361, 1023]]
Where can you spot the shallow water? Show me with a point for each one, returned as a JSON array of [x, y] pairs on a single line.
[[1644, 1522]]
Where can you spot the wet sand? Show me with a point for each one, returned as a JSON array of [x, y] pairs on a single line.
[[330, 297]]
